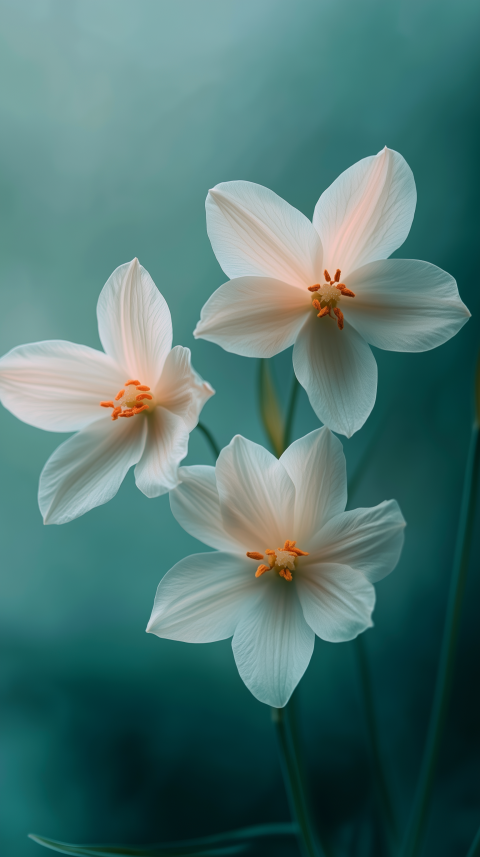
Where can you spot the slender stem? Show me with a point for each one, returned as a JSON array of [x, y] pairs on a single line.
[[290, 413], [372, 729], [294, 786], [474, 850], [210, 440], [416, 829]]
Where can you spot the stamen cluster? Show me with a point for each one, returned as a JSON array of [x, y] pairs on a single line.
[[329, 295], [283, 560], [129, 401]]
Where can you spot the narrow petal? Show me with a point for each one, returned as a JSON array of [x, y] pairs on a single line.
[[368, 540], [316, 466], [57, 385], [166, 446], [88, 469], [254, 316], [256, 494], [367, 212], [196, 506], [405, 305], [273, 644], [201, 598], [180, 389], [338, 371], [256, 233], [134, 323], [337, 601]]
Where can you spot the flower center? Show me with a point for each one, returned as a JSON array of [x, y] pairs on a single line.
[[282, 560], [133, 399], [326, 297]]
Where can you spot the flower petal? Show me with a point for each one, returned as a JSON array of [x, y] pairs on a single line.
[[254, 232], [166, 446], [196, 506], [134, 323], [337, 601], [201, 598], [88, 469], [367, 212], [316, 466], [404, 305], [180, 389], [256, 495], [273, 644], [339, 373], [368, 540], [254, 316], [57, 385]]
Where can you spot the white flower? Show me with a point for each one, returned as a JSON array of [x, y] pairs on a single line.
[[327, 288], [289, 561], [134, 404]]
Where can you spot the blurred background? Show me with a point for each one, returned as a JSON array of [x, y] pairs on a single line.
[[116, 117]]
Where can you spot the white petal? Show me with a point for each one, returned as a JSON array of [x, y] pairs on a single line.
[[57, 385], [166, 446], [254, 232], [337, 601], [316, 466], [88, 469], [369, 540], [201, 598], [134, 323], [196, 506], [367, 212], [272, 643], [180, 389], [404, 305], [338, 371], [254, 316], [256, 494]]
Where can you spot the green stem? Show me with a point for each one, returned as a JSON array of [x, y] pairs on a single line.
[[416, 829], [475, 846], [294, 786], [290, 413], [210, 440], [372, 730]]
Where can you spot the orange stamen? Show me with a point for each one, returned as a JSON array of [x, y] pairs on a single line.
[[143, 387], [314, 288], [339, 314], [324, 311], [129, 383], [142, 396], [261, 570], [254, 555], [337, 275], [107, 405], [347, 293], [129, 412], [286, 573], [119, 395], [269, 552], [327, 276]]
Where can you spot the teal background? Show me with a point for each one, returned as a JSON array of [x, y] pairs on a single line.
[[115, 119]]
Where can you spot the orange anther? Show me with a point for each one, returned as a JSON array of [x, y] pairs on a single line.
[[286, 573], [261, 570], [324, 311], [314, 288], [129, 412], [119, 395], [142, 396], [269, 552], [254, 555], [129, 383], [316, 303], [142, 387], [339, 314], [115, 413], [138, 410], [337, 275], [348, 293], [107, 405], [327, 275]]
